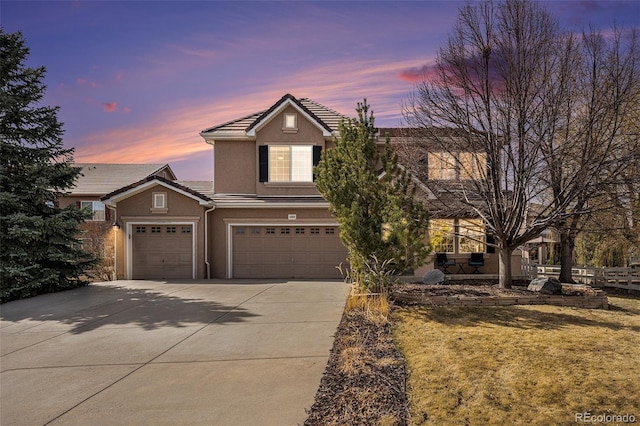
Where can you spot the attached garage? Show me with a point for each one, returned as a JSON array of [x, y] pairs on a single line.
[[162, 251], [286, 251]]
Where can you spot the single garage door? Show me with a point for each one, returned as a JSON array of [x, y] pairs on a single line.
[[287, 252], [162, 251]]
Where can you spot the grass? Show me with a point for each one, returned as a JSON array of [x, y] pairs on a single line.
[[521, 364]]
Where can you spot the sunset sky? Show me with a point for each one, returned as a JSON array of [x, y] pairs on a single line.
[[136, 81]]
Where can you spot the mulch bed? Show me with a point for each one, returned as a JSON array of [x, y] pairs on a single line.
[[364, 382]]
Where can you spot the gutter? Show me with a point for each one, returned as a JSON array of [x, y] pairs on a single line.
[[206, 241]]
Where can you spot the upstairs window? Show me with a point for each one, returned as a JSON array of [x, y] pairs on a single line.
[[97, 209], [461, 165], [287, 163], [442, 166]]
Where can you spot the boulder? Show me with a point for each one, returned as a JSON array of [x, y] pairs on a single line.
[[435, 276], [545, 286]]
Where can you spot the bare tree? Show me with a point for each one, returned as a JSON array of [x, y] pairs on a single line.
[[503, 80]]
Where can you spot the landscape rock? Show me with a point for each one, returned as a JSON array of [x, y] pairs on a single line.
[[435, 276], [545, 286]]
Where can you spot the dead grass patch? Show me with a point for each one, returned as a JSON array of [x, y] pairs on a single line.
[[520, 364]]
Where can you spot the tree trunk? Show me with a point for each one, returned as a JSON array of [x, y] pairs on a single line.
[[567, 244], [505, 267]]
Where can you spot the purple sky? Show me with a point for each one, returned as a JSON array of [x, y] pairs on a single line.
[[136, 81]]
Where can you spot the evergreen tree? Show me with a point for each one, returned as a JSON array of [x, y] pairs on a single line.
[[381, 225], [39, 252]]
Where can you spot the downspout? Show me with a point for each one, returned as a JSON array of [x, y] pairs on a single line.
[[206, 241]]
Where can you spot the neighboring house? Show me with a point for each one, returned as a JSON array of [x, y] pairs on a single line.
[[262, 216], [96, 180]]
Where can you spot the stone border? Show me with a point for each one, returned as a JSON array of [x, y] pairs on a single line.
[[597, 301]]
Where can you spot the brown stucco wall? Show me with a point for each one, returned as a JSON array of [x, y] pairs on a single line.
[[235, 167], [137, 208], [221, 216]]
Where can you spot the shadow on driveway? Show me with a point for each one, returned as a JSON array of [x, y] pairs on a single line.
[[96, 306]]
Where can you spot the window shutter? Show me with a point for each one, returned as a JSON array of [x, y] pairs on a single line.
[[78, 204], [263, 161], [317, 152], [490, 240]]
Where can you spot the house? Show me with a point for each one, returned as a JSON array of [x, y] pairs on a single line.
[[262, 216]]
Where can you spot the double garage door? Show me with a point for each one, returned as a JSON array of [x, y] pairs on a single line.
[[162, 251], [287, 252]]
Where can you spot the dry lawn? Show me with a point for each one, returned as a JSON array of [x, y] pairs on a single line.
[[520, 364]]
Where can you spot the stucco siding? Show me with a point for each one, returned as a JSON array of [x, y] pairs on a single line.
[[235, 167]]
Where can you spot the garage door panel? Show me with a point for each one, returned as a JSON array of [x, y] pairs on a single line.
[[287, 252], [162, 252]]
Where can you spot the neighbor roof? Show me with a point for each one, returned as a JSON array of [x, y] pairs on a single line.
[[325, 118], [98, 179]]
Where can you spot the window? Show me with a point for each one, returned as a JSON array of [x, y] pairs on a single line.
[[329, 231], [472, 236], [441, 235], [473, 165], [290, 122], [463, 165], [299, 230], [315, 231], [97, 210], [141, 229], [186, 229], [270, 230], [290, 163], [285, 230], [159, 200], [442, 165], [240, 231], [155, 230], [255, 231], [171, 229]]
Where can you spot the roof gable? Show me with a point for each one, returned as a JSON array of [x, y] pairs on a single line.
[[324, 118], [146, 183]]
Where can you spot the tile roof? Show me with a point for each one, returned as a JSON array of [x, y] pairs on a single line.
[[202, 187], [326, 117], [151, 178], [103, 178]]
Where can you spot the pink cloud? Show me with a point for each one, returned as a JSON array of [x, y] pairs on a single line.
[[110, 106], [418, 74], [126, 110]]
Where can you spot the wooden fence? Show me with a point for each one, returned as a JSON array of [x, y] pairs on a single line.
[[628, 278]]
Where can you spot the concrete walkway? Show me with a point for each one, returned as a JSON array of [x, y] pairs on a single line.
[[194, 352]]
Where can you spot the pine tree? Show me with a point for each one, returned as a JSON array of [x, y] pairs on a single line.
[[381, 224], [39, 250]]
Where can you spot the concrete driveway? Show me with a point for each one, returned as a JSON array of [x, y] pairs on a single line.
[[194, 352]]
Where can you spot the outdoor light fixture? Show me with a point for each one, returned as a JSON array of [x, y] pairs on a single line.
[[116, 226]]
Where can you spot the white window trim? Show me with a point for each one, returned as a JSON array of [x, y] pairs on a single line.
[[285, 121], [159, 207], [93, 210]]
